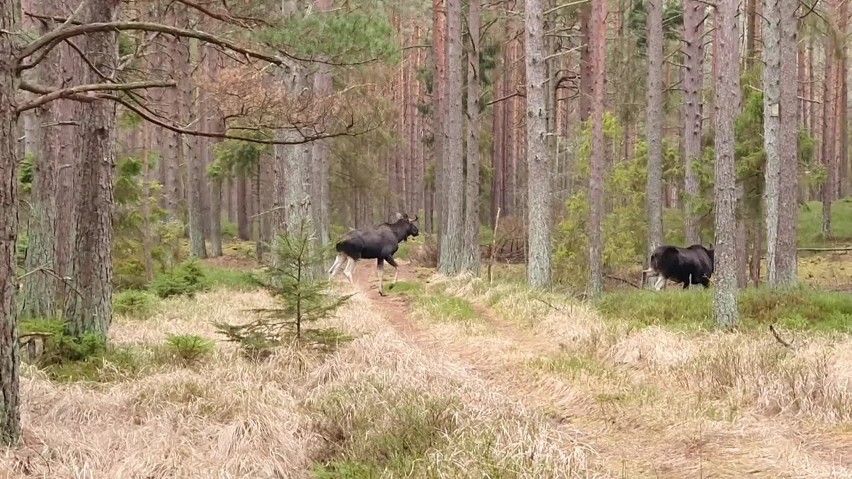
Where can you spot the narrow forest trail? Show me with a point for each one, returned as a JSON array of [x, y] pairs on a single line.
[[632, 439]]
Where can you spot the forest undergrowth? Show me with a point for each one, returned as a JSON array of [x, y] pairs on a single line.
[[444, 378]]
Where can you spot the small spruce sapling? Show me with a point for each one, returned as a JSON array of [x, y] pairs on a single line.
[[303, 295]]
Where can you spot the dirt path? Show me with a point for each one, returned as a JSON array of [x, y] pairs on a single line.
[[629, 443]]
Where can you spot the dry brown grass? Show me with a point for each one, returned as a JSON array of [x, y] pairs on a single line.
[[232, 417], [741, 400]]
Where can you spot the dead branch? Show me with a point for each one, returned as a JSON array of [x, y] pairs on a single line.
[[48, 40], [616, 278], [77, 90], [208, 134], [816, 250], [779, 338], [491, 248], [245, 22]]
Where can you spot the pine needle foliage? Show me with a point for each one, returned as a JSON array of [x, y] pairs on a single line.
[[303, 297]]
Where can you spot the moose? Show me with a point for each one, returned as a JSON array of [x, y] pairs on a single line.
[[691, 265], [379, 243]]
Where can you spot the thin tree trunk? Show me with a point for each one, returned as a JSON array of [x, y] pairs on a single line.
[[147, 246], [89, 309], [10, 419], [192, 155], [471, 260], [654, 195], [243, 226], [829, 127], [586, 79], [452, 243], [726, 108], [596, 200]]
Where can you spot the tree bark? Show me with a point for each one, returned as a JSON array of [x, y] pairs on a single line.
[[829, 124], [471, 260], [598, 57], [654, 195], [10, 419], [693, 33], [89, 309], [452, 243], [189, 150], [781, 250], [772, 126], [243, 226], [38, 295], [439, 110], [538, 163], [726, 108], [586, 79], [320, 153]]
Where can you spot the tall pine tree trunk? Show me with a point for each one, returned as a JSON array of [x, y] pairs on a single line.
[[772, 126], [450, 262], [10, 419], [726, 107], [693, 37], [654, 195], [538, 163], [190, 152], [596, 200], [37, 298], [471, 214], [88, 310], [785, 261], [829, 124], [439, 111]]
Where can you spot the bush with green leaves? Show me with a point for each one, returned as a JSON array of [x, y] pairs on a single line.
[[185, 279], [624, 220], [188, 348], [138, 212], [296, 280]]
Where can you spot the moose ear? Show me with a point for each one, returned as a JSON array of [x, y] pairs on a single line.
[[399, 216]]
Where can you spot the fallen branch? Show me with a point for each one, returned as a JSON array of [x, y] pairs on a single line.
[[816, 250], [616, 278], [779, 338]]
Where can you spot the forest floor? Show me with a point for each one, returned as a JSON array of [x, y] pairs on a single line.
[[445, 378]]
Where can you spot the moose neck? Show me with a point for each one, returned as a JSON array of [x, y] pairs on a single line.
[[400, 230]]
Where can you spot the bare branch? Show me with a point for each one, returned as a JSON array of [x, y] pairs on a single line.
[[48, 40], [76, 91], [244, 22], [184, 131]]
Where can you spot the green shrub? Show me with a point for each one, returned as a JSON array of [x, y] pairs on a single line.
[[129, 274], [188, 348], [229, 230], [134, 303], [186, 278], [58, 345]]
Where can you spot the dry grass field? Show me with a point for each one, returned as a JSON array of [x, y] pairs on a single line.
[[450, 378]]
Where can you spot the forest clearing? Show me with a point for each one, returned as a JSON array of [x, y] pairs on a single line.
[[449, 378]]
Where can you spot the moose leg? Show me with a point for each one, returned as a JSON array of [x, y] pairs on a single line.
[[380, 270], [350, 265], [338, 262], [659, 284], [391, 262]]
